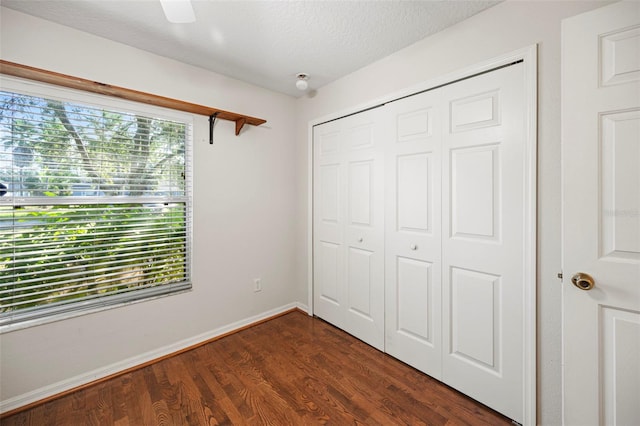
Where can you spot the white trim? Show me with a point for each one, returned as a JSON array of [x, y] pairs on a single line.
[[91, 376], [529, 56], [310, 220], [530, 235]]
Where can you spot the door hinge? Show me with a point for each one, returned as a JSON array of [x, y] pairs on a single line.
[[560, 275]]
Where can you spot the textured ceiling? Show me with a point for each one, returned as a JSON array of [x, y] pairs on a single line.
[[265, 43]]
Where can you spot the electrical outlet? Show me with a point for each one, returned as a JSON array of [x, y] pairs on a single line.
[[257, 285]]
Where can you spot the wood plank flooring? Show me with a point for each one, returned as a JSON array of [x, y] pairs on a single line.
[[292, 370]]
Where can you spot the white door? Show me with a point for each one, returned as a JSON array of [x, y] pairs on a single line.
[[329, 197], [459, 233], [485, 207], [412, 252], [349, 225], [601, 215]]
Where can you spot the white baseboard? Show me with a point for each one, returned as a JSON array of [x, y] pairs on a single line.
[[83, 379]]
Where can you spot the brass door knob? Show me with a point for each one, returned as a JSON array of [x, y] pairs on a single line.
[[583, 281]]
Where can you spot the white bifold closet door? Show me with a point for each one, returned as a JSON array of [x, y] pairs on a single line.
[[454, 237], [413, 252], [452, 248], [483, 270], [348, 244]]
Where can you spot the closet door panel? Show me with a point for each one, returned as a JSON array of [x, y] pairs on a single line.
[[475, 192], [414, 291], [328, 269], [482, 242], [412, 237], [349, 225], [364, 231], [414, 178], [329, 215], [328, 225], [475, 305]]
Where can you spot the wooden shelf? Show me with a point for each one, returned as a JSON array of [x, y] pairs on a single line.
[[37, 74]]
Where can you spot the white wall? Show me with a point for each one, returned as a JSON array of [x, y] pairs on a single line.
[[504, 28], [244, 198]]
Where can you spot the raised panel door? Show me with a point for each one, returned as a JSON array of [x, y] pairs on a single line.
[[412, 236], [328, 225], [349, 225], [483, 222], [601, 215]]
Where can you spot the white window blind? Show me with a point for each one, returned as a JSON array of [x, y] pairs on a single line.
[[95, 207]]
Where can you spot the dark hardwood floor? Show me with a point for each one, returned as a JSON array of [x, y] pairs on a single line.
[[292, 370]]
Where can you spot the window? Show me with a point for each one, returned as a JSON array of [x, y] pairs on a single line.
[[95, 205]]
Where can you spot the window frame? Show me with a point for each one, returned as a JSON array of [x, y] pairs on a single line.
[[63, 94]]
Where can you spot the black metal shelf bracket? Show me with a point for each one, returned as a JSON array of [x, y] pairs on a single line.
[[212, 122]]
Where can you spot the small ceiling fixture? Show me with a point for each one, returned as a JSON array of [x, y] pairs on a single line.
[[178, 11], [301, 82]]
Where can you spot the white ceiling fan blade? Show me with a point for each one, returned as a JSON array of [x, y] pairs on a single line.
[[178, 11]]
